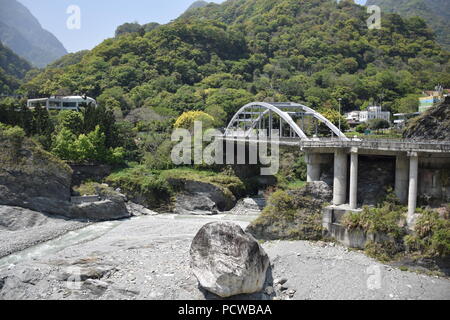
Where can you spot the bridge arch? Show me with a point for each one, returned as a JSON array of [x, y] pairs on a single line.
[[277, 108]]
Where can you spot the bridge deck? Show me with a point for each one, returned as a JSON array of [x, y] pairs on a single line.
[[394, 145]]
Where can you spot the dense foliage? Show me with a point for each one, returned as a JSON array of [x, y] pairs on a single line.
[[219, 57], [435, 12]]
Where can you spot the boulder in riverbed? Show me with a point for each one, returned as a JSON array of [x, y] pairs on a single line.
[[227, 261]]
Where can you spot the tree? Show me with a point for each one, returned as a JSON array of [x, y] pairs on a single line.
[[71, 120], [334, 117], [377, 124], [63, 145], [408, 104], [187, 119]]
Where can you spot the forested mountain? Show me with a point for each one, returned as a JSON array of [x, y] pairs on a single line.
[[219, 57], [12, 68], [197, 4], [435, 12], [22, 33]]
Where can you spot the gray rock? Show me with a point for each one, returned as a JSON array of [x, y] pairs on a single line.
[[15, 218], [33, 179], [227, 261], [223, 201], [138, 210], [280, 281], [75, 273], [100, 210], [97, 287], [269, 291], [196, 204]]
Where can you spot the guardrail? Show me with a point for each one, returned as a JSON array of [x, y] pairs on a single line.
[[375, 144]]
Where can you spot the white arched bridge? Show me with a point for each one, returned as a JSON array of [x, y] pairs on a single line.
[[290, 120], [294, 124]]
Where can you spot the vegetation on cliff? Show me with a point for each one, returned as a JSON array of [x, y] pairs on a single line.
[[434, 124]]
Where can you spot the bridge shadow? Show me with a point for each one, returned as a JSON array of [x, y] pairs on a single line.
[[254, 296]]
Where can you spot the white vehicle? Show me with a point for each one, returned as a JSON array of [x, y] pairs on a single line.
[[62, 102]]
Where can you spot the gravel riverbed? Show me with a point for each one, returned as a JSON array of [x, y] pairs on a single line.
[[148, 258]]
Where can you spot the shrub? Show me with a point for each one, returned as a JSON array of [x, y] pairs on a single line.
[[388, 217], [431, 235], [361, 128]]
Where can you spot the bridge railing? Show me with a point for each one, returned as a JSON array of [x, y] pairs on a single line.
[[390, 144]]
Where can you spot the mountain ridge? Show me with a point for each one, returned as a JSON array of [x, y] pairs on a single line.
[[12, 70], [22, 33]]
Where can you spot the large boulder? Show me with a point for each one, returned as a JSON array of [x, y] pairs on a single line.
[[227, 261], [100, 210]]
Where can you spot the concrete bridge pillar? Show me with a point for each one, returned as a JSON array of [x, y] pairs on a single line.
[[402, 178], [340, 178], [413, 176], [313, 166], [353, 178]]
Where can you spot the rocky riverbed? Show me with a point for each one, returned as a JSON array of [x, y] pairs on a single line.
[[148, 258]]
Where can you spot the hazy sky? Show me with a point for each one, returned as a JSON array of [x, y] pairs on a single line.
[[99, 18]]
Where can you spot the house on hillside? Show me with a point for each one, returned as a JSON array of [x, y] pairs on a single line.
[[371, 113], [62, 102], [432, 97]]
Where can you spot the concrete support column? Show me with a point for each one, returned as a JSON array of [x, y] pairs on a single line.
[[413, 175], [312, 167], [402, 178], [340, 178], [354, 178]]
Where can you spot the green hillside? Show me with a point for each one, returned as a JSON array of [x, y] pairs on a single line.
[[435, 12], [219, 57], [12, 69]]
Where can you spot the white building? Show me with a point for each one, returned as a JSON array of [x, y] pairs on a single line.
[[372, 112], [61, 103]]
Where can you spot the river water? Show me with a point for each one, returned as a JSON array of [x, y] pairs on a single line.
[[71, 238], [93, 232]]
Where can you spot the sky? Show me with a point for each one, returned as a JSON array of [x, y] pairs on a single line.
[[100, 18]]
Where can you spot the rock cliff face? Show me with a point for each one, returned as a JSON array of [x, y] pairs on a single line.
[[433, 124], [32, 178]]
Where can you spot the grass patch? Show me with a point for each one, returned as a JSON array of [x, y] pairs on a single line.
[[143, 186], [228, 183], [289, 216]]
